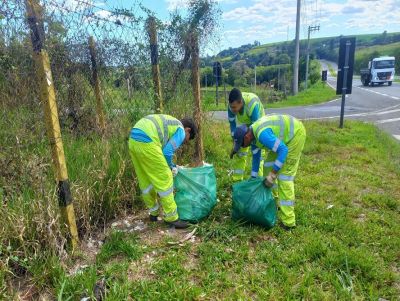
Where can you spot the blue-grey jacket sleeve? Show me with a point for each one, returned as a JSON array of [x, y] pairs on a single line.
[[270, 141], [173, 144], [232, 121], [255, 164]]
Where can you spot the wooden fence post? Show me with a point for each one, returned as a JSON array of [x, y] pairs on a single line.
[[152, 32], [48, 99], [199, 151], [96, 84]]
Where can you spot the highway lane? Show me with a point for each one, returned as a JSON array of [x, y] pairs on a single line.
[[379, 105]]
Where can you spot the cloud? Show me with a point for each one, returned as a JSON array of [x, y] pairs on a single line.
[[183, 4], [72, 5], [347, 10], [277, 12], [283, 12]]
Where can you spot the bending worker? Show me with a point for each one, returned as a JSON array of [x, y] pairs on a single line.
[[284, 137], [244, 108], [153, 141]]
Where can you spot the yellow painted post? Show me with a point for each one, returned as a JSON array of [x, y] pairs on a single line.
[[48, 98], [199, 151], [97, 90], [152, 31]]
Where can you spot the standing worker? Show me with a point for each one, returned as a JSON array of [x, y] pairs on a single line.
[[284, 137], [245, 108], [153, 141]]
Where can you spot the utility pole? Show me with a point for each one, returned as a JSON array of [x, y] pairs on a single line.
[[255, 78], [295, 87], [34, 12], [279, 73], [310, 29]]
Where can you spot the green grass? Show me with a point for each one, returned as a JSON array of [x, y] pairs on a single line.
[[209, 101], [363, 55], [317, 93], [384, 49], [347, 252]]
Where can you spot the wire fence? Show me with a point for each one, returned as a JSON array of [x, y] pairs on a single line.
[[101, 175]]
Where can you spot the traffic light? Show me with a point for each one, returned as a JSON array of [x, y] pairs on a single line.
[[217, 71], [324, 75]]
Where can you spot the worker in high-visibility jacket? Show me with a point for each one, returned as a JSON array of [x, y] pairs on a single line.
[[284, 137], [244, 108], [152, 143]]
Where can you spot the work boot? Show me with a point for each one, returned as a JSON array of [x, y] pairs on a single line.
[[286, 228], [178, 224], [153, 218]]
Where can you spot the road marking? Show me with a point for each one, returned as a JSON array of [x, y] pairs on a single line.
[[386, 112], [388, 120], [377, 112], [397, 137], [330, 85], [379, 93]]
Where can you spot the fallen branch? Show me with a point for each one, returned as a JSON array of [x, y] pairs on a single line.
[[187, 237]]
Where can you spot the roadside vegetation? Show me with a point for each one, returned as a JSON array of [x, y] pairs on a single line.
[[318, 93], [363, 56], [345, 246]]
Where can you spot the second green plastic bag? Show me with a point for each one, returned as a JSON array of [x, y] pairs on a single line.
[[196, 192], [254, 203]]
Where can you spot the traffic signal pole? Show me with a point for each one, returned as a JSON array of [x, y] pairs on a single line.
[[310, 29], [344, 87]]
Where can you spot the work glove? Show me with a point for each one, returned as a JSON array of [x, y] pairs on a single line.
[[270, 179], [174, 171]]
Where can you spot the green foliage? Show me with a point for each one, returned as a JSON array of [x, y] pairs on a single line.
[[317, 93], [363, 56], [120, 244], [345, 252]]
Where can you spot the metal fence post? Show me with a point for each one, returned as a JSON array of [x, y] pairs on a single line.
[[48, 98]]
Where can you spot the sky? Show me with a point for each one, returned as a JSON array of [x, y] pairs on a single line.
[[244, 21]]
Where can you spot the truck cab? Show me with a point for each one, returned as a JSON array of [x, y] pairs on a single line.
[[380, 70]]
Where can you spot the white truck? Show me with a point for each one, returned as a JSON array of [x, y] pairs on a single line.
[[380, 70]]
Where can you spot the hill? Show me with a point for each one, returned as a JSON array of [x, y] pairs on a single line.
[[270, 54]]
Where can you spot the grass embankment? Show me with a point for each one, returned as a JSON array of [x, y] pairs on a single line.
[[317, 93], [346, 245], [363, 55]]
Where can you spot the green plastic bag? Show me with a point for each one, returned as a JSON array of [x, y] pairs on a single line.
[[254, 203], [196, 192]]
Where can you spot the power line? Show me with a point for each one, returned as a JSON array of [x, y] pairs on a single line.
[[91, 15]]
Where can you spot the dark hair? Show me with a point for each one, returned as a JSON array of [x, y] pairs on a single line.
[[235, 95], [188, 122]]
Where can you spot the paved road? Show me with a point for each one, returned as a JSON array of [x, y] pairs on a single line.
[[379, 105]]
